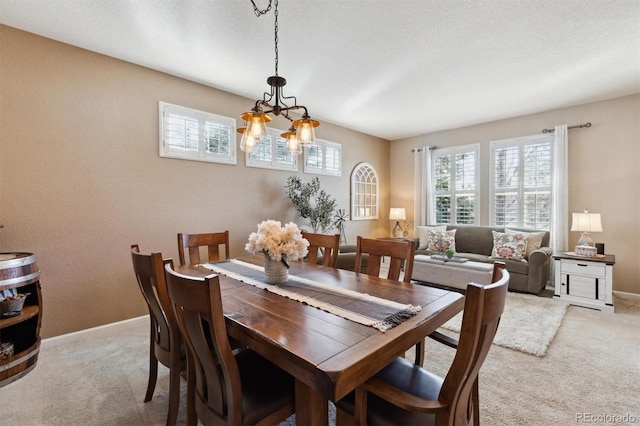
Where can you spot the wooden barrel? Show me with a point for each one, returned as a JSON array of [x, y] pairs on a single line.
[[19, 272]]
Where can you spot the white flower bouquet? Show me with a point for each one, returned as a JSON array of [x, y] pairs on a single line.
[[277, 241]]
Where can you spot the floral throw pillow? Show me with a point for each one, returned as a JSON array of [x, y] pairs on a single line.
[[509, 246], [423, 234], [534, 239], [439, 241]]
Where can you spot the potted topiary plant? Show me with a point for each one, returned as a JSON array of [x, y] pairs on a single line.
[[312, 202]]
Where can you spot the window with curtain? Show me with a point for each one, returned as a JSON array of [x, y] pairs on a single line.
[[364, 192], [190, 134], [455, 184], [272, 153], [323, 158], [521, 182]]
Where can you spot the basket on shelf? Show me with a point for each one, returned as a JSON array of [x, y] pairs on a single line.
[[13, 303]]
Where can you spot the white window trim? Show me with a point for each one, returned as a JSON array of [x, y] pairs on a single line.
[[355, 205], [323, 170], [274, 164], [520, 142], [202, 117], [453, 151]]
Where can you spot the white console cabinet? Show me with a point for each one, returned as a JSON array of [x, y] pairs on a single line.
[[585, 281]]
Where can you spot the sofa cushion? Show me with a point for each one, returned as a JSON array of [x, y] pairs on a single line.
[[473, 239], [423, 234], [534, 239], [440, 241], [509, 246]]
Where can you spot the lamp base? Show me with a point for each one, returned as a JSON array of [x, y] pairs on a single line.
[[397, 230], [585, 240]]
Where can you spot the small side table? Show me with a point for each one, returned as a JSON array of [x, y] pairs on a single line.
[[585, 281]]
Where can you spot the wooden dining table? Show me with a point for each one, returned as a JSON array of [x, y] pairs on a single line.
[[329, 356]]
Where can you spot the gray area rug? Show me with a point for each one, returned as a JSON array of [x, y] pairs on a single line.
[[528, 324]]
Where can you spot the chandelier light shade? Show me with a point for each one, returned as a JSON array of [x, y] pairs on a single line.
[[274, 102], [586, 223], [293, 144], [255, 131]]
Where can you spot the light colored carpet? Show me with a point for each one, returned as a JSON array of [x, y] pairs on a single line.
[[528, 324], [99, 377]]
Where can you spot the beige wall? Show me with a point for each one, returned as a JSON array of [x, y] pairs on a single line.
[[81, 179], [604, 171]]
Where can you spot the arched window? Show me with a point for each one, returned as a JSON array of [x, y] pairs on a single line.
[[364, 192]]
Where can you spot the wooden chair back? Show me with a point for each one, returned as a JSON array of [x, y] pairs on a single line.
[[322, 244], [483, 307], [228, 388], [400, 253], [193, 242], [452, 402], [165, 341]]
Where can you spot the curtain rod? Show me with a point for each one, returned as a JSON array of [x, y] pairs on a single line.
[[580, 126], [431, 148]]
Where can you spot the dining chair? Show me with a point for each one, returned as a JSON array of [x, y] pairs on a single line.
[[193, 242], [403, 393], [324, 245], [165, 341], [233, 389], [400, 254]]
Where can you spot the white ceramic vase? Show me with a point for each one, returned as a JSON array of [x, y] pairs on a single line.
[[275, 272]]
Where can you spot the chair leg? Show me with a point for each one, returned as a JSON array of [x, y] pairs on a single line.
[[475, 398], [174, 396], [192, 416], [420, 347], [153, 369]]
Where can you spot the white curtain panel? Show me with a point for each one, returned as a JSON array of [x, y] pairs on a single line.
[[423, 213], [560, 205]]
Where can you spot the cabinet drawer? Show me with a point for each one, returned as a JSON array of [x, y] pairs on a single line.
[[583, 268]]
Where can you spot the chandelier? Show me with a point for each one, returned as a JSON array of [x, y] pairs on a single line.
[[301, 133]]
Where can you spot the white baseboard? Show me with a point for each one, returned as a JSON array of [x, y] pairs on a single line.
[[625, 295], [63, 338]]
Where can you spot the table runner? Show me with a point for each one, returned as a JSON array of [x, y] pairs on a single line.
[[362, 308]]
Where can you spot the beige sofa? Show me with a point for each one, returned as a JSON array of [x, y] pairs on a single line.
[[475, 243]]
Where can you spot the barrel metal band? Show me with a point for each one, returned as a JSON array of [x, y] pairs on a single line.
[[20, 279]]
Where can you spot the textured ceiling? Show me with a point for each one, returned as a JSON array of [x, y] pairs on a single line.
[[389, 68]]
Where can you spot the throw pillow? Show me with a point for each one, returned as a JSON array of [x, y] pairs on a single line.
[[440, 241], [534, 239], [509, 246], [423, 234]]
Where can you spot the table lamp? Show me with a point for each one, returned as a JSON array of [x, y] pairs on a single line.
[[397, 214], [586, 222]]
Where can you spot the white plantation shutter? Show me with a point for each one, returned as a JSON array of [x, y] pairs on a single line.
[[455, 184], [272, 153], [196, 135], [323, 158], [521, 182]]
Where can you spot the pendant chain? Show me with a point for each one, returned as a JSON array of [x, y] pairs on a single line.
[[260, 12]]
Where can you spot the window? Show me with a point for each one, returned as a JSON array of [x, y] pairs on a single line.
[[521, 182], [364, 192], [455, 180], [196, 135], [272, 153], [323, 158]]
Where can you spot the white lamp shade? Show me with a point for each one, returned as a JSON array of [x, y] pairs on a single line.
[[397, 214], [586, 222]]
